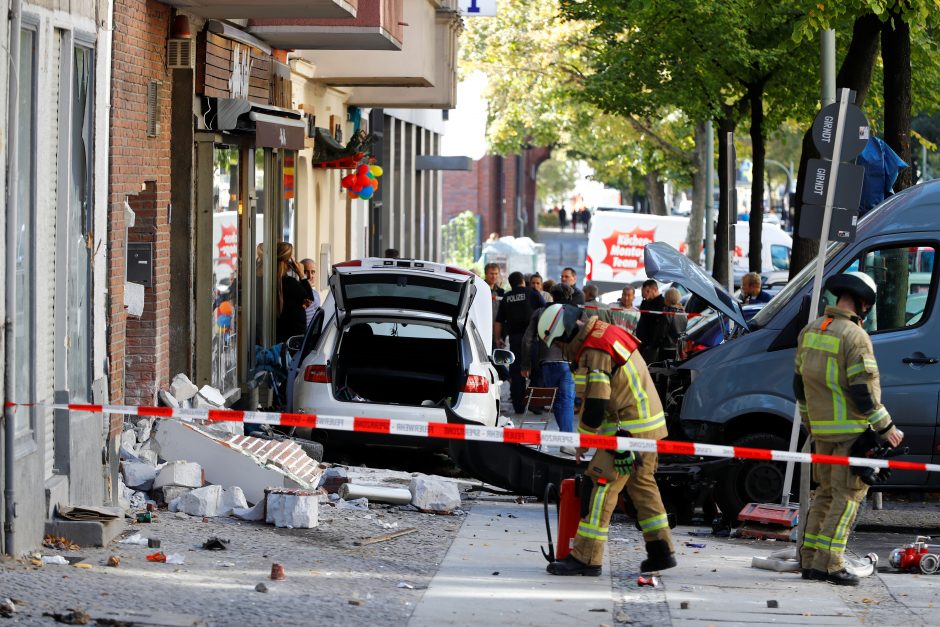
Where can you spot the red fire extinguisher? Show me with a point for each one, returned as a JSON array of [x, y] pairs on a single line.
[[572, 505]]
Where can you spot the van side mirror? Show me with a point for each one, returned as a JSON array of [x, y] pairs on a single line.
[[502, 357]]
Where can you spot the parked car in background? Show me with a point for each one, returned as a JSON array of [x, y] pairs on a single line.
[[400, 338]]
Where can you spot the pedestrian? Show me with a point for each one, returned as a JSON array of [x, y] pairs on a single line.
[[512, 318], [548, 366], [651, 328], [623, 312], [590, 299], [562, 218], [751, 290], [313, 293], [838, 392], [585, 219], [535, 282], [548, 284], [617, 398], [570, 277], [291, 318], [676, 322]]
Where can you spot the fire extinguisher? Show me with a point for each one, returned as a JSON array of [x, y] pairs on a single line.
[[573, 504]]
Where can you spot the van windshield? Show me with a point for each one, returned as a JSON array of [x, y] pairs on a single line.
[[795, 285]]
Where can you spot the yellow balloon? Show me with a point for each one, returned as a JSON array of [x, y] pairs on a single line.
[[376, 170]]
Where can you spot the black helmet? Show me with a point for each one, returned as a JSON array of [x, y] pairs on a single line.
[[858, 284]]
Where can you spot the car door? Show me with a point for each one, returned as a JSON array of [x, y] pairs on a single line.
[[904, 327]]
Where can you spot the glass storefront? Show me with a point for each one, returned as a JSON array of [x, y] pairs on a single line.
[[226, 210]]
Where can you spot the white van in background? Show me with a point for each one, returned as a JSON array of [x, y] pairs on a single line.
[[616, 241]]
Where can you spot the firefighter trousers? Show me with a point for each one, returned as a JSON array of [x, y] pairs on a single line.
[[651, 514], [832, 512]]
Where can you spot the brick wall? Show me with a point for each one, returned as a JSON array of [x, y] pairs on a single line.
[[140, 174]]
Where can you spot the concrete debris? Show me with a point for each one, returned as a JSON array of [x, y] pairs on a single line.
[[182, 388], [434, 495], [379, 494], [153, 543], [261, 588], [253, 514], [124, 494], [138, 475], [211, 396], [253, 464], [210, 501], [137, 500], [143, 429], [148, 456], [354, 504], [54, 559], [293, 509], [179, 473], [114, 561], [175, 558], [167, 399], [332, 478], [167, 493], [74, 616], [129, 440], [7, 608]]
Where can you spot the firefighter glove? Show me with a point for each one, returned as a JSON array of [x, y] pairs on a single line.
[[624, 462]]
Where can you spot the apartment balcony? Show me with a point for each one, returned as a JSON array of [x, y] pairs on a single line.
[[246, 9], [378, 25]]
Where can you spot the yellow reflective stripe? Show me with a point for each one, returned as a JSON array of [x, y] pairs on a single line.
[[811, 541], [621, 350], [870, 364], [878, 415], [580, 379], [656, 522], [598, 377], [820, 342], [840, 426], [593, 535], [597, 506], [642, 426], [832, 382], [589, 527], [639, 394], [855, 370], [842, 530]]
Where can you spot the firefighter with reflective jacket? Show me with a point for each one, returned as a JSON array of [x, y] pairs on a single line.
[[618, 397], [839, 397]]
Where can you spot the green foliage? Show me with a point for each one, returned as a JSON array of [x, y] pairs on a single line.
[[547, 219], [459, 239], [555, 179]]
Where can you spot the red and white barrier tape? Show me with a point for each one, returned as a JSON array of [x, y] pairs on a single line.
[[507, 435]]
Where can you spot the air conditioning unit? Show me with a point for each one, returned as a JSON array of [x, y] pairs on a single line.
[[181, 54]]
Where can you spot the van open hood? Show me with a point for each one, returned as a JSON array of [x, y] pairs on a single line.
[[666, 264]]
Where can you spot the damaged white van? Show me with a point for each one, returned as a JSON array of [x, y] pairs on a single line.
[[400, 339]]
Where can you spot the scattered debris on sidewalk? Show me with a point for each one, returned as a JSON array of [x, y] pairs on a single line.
[[375, 494], [277, 572], [385, 537], [114, 561], [60, 543], [434, 495], [74, 616], [210, 501], [293, 509], [215, 544], [7, 608], [261, 588]]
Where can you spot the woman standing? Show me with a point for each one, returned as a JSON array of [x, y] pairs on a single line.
[[291, 295]]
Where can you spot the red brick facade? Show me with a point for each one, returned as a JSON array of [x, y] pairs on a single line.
[[140, 175]]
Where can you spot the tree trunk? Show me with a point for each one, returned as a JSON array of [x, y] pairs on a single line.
[[696, 231], [854, 73], [656, 193], [720, 271], [758, 150], [896, 59]]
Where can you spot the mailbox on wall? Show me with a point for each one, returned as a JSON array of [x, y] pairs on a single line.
[[140, 263]]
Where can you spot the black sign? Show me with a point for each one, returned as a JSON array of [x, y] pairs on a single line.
[[854, 136], [842, 224], [140, 263], [848, 186]]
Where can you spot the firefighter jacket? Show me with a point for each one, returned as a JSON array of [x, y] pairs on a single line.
[[836, 384], [609, 367]]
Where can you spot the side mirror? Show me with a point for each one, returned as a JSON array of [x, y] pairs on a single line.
[[502, 357], [295, 343]]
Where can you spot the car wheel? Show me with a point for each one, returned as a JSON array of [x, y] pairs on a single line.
[[313, 449], [752, 481]]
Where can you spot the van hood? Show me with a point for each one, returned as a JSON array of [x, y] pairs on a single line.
[[666, 264]]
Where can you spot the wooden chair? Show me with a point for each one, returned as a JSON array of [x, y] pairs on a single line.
[[538, 398]]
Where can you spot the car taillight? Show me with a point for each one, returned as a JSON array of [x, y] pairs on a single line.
[[317, 373], [689, 348], [476, 384]]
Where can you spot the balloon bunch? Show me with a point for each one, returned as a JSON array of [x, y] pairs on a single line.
[[362, 183], [223, 316]]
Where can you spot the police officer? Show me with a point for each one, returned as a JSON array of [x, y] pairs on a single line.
[[618, 396], [839, 396], [512, 318]]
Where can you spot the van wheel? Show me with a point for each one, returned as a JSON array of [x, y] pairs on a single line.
[[753, 481]]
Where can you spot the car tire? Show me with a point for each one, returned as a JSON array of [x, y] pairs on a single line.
[[313, 449], [752, 481]]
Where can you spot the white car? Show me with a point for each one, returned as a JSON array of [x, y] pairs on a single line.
[[399, 338]]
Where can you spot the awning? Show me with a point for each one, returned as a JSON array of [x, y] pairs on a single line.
[[276, 132]]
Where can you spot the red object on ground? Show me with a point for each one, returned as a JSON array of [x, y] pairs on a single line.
[[569, 515], [646, 581], [277, 572], [156, 557]]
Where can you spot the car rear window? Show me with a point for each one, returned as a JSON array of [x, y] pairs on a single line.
[[421, 293]]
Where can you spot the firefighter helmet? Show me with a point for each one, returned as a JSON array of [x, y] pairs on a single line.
[[857, 284], [558, 322]]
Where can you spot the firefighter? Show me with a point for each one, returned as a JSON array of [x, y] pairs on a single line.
[[839, 397], [617, 397]]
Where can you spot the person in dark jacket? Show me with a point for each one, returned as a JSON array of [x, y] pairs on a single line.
[[512, 319], [291, 295], [751, 290], [651, 329], [570, 277]]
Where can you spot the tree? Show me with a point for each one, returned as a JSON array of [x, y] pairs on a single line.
[[555, 179]]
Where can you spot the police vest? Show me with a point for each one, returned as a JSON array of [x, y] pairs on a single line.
[[518, 311], [616, 342]]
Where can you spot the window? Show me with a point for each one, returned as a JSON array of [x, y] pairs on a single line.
[[226, 207], [780, 256], [23, 363], [78, 225], [903, 294]]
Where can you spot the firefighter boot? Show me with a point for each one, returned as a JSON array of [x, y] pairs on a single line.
[[658, 557], [813, 574], [572, 566], [842, 578]]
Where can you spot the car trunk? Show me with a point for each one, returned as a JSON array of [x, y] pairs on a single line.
[[397, 368]]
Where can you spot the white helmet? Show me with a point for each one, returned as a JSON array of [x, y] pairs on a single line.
[[858, 284], [558, 322]]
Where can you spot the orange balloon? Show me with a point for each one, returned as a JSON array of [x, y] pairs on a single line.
[[225, 308], [375, 183]]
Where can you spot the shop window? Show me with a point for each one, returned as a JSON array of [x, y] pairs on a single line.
[[288, 201], [23, 362], [225, 268]]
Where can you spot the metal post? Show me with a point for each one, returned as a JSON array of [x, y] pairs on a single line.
[[827, 67], [709, 196], [732, 208], [923, 162]]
